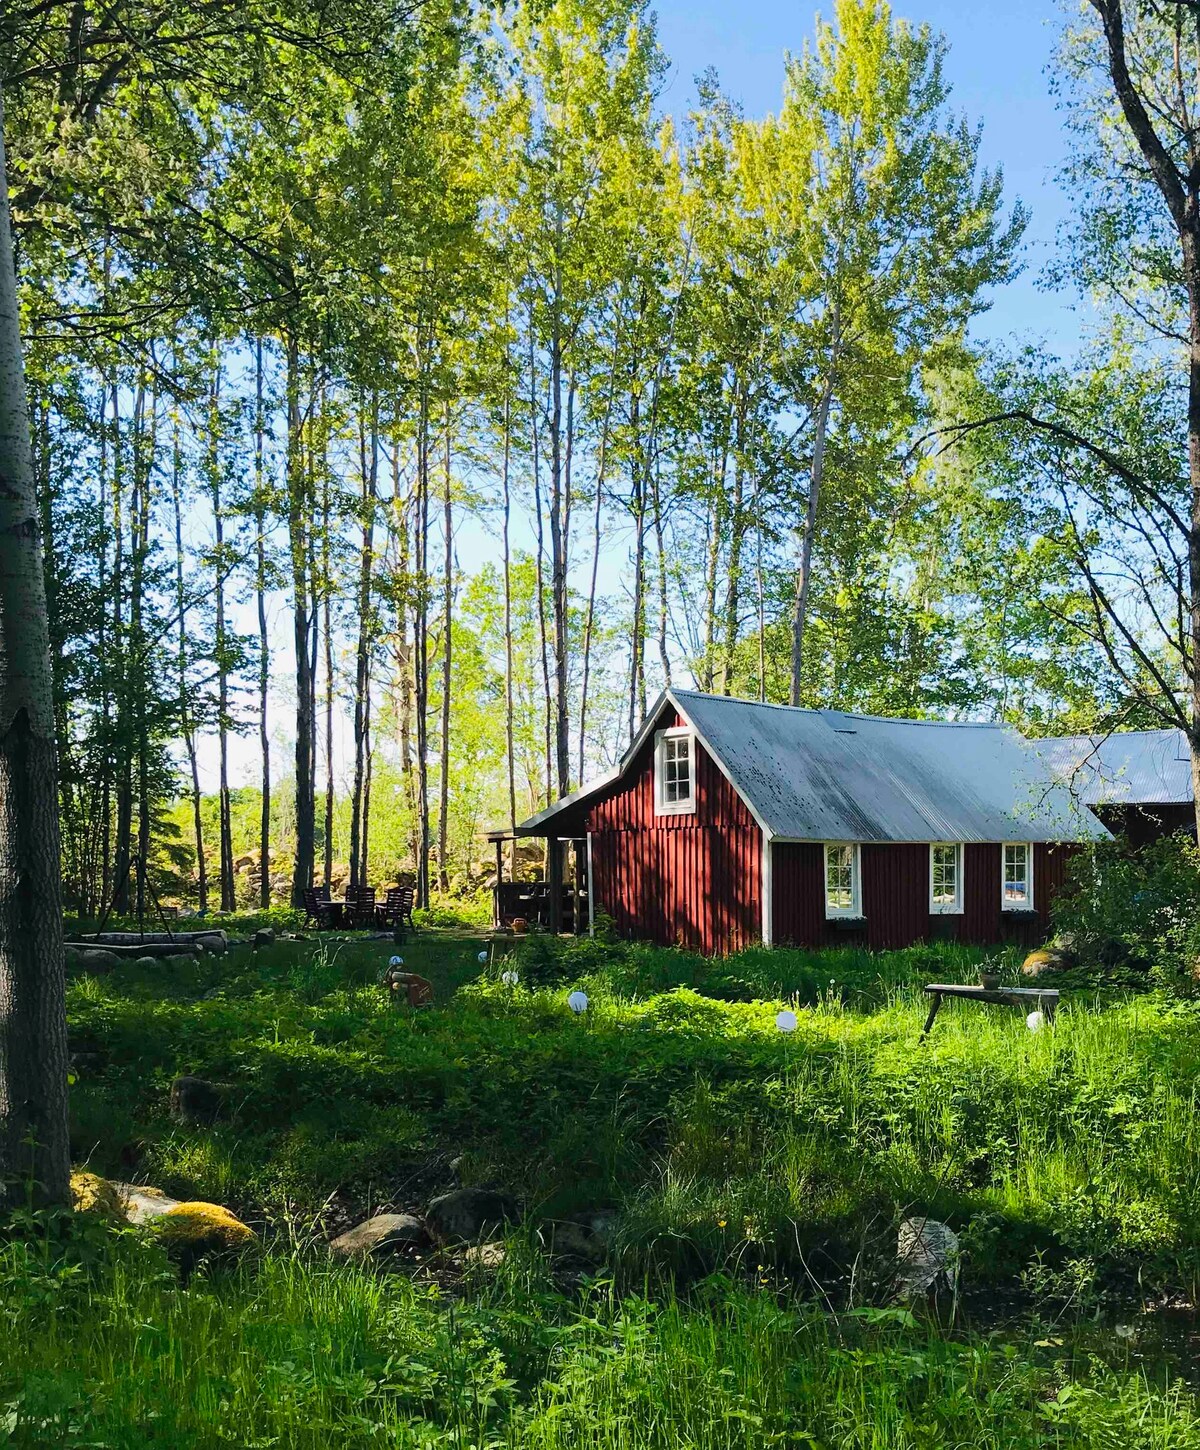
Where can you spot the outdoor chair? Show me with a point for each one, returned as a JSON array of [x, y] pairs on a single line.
[[317, 909], [398, 907], [363, 910]]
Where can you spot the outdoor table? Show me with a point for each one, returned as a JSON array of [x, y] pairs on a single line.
[[1043, 998]]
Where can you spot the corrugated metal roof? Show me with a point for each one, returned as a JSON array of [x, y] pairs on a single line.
[[1126, 767], [824, 775]]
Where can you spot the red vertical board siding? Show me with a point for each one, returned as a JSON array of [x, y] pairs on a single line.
[[895, 893], [693, 880], [798, 893], [1049, 874], [981, 892]]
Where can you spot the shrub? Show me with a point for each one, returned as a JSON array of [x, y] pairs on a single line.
[[1135, 907]]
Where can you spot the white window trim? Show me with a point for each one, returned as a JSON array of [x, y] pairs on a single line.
[[835, 913], [1027, 904], [674, 808], [942, 908]]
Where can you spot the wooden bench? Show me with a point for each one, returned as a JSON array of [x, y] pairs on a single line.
[[1044, 999]]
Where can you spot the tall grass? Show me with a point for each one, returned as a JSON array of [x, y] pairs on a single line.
[[104, 1349]]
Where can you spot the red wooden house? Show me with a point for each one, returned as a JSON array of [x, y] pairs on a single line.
[[730, 822]]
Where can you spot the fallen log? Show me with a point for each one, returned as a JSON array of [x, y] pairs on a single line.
[[142, 949], [214, 939]]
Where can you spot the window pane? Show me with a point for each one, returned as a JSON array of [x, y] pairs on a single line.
[[945, 875], [1016, 874], [839, 878]]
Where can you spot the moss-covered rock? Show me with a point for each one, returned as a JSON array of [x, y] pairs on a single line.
[[202, 1228], [1047, 960], [92, 1194]]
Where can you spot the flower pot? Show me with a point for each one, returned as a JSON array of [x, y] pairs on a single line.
[[519, 925], [989, 981]]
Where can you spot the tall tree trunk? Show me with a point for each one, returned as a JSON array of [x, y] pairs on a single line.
[[637, 662], [559, 543], [405, 652], [809, 530], [143, 472], [540, 556], [506, 487], [123, 783], [185, 711], [369, 471], [34, 1148], [264, 661], [447, 677], [421, 643], [327, 630], [298, 507], [589, 623], [224, 804]]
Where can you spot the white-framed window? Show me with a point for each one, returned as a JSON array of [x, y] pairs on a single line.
[[1016, 876], [945, 877], [843, 879], [675, 772]]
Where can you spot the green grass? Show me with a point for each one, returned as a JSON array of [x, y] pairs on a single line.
[[103, 1349], [757, 1181]]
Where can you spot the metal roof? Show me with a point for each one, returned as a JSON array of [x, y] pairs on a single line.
[[1125, 767], [824, 775]]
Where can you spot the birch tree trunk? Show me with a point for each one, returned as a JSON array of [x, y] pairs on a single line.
[[447, 679], [224, 803], [298, 527], [369, 468], [808, 532], [185, 711], [34, 1149], [264, 663]]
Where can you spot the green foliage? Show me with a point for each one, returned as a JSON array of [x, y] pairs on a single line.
[[1136, 907]]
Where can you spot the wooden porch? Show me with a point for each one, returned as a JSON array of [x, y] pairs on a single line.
[[562, 903]]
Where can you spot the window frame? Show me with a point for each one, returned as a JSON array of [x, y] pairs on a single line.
[[854, 910], [1027, 904], [662, 806], [955, 907]]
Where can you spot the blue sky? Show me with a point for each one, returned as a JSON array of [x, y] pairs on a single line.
[[999, 64]]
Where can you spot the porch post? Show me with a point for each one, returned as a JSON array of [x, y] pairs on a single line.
[[554, 863], [496, 922], [577, 852]]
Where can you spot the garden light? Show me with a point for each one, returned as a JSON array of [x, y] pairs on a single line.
[[396, 962], [786, 1020], [1035, 1021], [482, 957], [509, 978], [578, 1002]]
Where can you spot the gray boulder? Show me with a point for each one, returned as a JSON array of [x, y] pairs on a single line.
[[193, 1100], [927, 1257], [264, 937], [143, 1204], [145, 962], [97, 961], [385, 1233], [466, 1215], [487, 1256]]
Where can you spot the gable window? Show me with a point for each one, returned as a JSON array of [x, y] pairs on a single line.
[[1016, 892], [674, 772], [945, 876], [843, 893]]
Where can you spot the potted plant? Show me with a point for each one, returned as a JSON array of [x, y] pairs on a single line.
[[989, 975]]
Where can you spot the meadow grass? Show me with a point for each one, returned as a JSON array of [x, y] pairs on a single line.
[[756, 1179]]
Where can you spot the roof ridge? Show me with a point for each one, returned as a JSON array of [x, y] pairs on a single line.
[[847, 714]]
